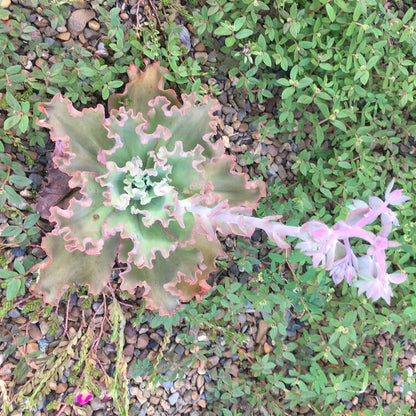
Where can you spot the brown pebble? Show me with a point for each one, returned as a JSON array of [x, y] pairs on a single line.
[[213, 361], [261, 330], [200, 47], [202, 403], [82, 38], [61, 388], [124, 16], [200, 381], [94, 25], [243, 127], [6, 371], [34, 332], [63, 36], [267, 348], [142, 341], [128, 350], [32, 346], [203, 56], [303, 409], [154, 400], [194, 395], [79, 19]]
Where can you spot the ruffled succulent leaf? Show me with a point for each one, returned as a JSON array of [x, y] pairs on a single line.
[[135, 173], [63, 268]]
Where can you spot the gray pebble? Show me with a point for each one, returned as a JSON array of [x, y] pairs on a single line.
[[167, 385], [173, 398], [241, 114], [212, 57], [49, 41], [179, 350], [36, 179], [43, 344], [14, 313]]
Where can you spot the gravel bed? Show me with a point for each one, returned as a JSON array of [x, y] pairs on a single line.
[[189, 395]]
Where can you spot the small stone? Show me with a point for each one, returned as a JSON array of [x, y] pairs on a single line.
[[243, 127], [202, 403], [6, 3], [36, 179], [179, 350], [200, 47], [44, 328], [34, 332], [6, 371], [91, 35], [14, 313], [63, 36], [128, 351], [272, 150], [43, 344], [228, 130], [94, 25], [267, 348], [142, 341], [32, 346], [212, 361], [167, 385], [173, 398], [212, 57], [203, 56], [61, 388], [200, 381], [78, 20], [79, 4], [262, 330], [303, 409], [97, 404], [281, 172]]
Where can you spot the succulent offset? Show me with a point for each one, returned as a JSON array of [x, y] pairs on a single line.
[[137, 172], [148, 188]]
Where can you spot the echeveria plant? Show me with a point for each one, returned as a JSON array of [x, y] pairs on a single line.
[[150, 191]]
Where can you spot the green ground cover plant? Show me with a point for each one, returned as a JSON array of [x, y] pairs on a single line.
[[344, 77]]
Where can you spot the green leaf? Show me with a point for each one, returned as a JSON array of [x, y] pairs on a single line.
[[7, 274], [13, 69], [11, 230], [12, 196], [30, 220], [87, 72], [11, 100], [349, 318], [11, 122], [331, 12], [13, 288], [326, 192], [408, 15], [20, 180], [287, 92], [245, 33], [305, 82], [239, 22], [19, 267], [339, 125]]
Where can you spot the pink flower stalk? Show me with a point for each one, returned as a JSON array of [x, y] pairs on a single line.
[[329, 247], [84, 397]]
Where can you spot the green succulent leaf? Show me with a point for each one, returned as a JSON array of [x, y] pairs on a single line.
[[133, 179]]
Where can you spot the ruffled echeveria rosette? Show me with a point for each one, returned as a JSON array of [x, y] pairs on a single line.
[[140, 179]]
